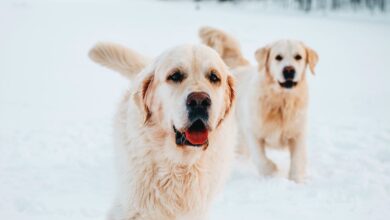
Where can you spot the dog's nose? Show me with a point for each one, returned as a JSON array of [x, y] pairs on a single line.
[[288, 72], [198, 100]]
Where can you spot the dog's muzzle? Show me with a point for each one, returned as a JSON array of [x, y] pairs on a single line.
[[196, 134], [288, 84], [288, 74]]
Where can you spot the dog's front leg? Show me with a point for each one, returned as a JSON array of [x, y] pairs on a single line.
[[267, 166], [297, 149], [196, 215], [263, 163]]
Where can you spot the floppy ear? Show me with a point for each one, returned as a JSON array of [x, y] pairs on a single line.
[[311, 58], [231, 93], [262, 56], [143, 96], [230, 97]]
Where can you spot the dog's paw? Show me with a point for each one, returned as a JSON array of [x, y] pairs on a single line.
[[297, 177], [268, 168]]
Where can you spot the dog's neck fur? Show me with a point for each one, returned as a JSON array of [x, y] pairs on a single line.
[[279, 106]]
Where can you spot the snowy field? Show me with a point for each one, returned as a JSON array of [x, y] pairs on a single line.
[[56, 108]]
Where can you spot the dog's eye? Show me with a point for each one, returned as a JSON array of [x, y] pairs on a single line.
[[278, 57], [298, 57], [176, 76], [213, 77]]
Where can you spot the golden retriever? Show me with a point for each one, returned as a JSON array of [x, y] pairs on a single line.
[[272, 98], [174, 131]]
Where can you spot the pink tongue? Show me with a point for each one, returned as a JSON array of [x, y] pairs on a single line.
[[197, 137]]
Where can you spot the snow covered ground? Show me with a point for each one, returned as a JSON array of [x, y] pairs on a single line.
[[56, 106]]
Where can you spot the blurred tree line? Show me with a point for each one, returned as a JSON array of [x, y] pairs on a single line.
[[308, 5]]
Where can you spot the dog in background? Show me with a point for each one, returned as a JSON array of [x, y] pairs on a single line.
[[272, 98], [174, 131]]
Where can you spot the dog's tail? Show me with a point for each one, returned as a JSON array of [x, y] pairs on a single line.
[[227, 46], [118, 58]]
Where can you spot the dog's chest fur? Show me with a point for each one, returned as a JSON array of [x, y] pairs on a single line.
[[166, 189], [282, 116]]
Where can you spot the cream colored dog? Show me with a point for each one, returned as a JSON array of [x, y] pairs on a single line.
[[174, 131], [272, 98]]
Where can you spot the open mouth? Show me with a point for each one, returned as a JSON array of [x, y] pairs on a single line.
[[195, 135], [288, 84]]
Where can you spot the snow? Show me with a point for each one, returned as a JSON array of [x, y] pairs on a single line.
[[56, 108]]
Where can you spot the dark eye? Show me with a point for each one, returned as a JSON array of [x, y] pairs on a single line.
[[213, 77], [298, 57], [176, 76], [278, 57]]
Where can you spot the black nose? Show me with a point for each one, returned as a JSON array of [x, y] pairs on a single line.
[[288, 72], [198, 104], [198, 100]]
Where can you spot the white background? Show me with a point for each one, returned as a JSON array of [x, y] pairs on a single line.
[[56, 107]]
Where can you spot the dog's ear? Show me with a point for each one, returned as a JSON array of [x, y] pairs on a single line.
[[231, 93], [262, 56], [143, 94], [230, 97], [311, 58]]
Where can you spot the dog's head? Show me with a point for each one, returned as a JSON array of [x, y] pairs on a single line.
[[187, 91], [285, 62]]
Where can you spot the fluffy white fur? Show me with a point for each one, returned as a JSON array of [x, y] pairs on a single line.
[[118, 58], [268, 114], [158, 179]]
